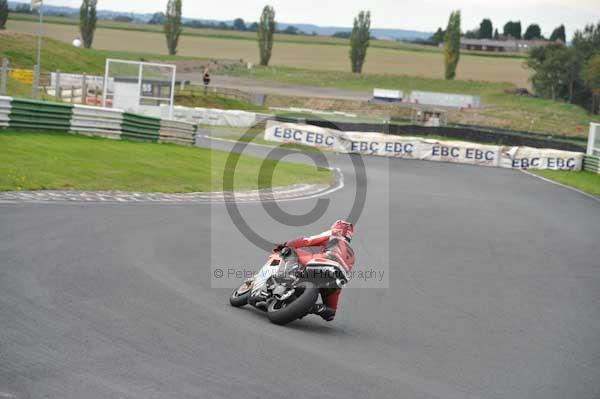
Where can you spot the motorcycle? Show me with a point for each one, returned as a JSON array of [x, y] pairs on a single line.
[[285, 289]]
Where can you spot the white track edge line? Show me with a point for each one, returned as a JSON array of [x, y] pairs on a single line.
[[561, 185]]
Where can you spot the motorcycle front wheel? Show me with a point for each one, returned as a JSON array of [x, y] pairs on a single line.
[[239, 297], [297, 306]]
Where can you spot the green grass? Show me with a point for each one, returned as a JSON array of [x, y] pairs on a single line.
[[60, 161], [195, 97], [362, 82], [500, 109], [585, 181], [18, 89], [20, 49]]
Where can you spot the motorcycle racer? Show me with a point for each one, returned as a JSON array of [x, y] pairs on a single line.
[[334, 245]]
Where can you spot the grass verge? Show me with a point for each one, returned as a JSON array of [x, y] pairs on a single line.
[[61, 161], [588, 182]]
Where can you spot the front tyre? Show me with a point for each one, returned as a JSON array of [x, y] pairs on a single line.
[[239, 297], [297, 306]]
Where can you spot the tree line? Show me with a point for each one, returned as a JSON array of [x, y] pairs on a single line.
[[569, 73], [510, 30], [172, 23], [238, 25], [561, 71]]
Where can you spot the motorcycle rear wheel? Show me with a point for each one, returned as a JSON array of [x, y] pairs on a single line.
[[239, 297], [284, 312]]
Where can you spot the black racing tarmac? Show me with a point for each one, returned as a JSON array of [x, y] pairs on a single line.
[[494, 292]]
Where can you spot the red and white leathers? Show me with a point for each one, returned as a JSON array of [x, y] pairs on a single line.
[[333, 247]]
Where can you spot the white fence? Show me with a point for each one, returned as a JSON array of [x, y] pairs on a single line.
[[77, 80], [216, 117], [310, 111], [445, 99], [593, 147]]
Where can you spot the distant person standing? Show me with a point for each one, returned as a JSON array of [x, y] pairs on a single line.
[[206, 79]]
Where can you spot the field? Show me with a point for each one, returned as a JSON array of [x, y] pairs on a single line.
[[60, 161], [238, 35], [317, 55]]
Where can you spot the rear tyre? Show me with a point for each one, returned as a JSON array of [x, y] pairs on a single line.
[[239, 297], [299, 305]]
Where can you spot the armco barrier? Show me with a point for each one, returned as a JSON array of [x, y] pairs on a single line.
[[177, 132], [591, 164], [94, 121], [5, 111], [28, 114], [139, 127]]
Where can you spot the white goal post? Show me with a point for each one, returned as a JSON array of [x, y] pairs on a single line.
[[142, 87], [593, 147]]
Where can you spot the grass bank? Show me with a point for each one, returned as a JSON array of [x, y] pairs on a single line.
[[585, 181], [194, 96], [60, 161], [500, 109], [20, 49]]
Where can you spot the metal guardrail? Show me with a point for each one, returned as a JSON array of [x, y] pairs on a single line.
[[92, 121], [5, 107], [591, 164]]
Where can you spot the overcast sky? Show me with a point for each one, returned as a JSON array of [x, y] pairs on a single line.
[[401, 14]]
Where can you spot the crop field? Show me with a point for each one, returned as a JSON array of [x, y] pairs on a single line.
[[406, 60], [248, 35]]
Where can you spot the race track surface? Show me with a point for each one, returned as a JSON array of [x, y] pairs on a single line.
[[494, 292]]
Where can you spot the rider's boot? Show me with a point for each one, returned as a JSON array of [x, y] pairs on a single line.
[[324, 311]]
